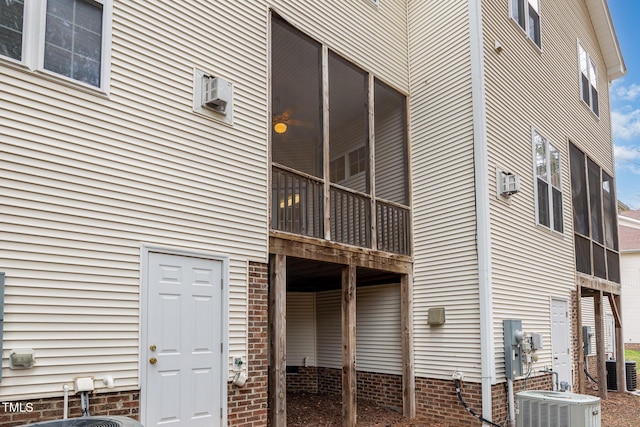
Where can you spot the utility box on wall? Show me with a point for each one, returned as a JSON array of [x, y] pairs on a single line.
[[512, 351]]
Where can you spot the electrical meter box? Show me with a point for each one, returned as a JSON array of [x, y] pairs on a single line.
[[586, 340], [512, 351]]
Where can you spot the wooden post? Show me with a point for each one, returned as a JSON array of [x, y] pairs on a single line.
[[349, 386], [325, 144], [602, 367], [278, 341], [408, 369], [581, 365], [621, 367]]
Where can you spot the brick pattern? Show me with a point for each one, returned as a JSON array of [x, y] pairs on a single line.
[[305, 380], [436, 400], [592, 369], [247, 405], [575, 344], [329, 381], [125, 403], [632, 346], [385, 389]]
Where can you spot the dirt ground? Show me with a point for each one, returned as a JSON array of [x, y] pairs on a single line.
[[312, 410]]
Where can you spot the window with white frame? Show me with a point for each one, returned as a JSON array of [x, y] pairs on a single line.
[[588, 80], [527, 14], [69, 38], [548, 183], [357, 161]]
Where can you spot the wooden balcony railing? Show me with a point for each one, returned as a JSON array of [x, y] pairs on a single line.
[[393, 228], [297, 203], [350, 217], [297, 206]]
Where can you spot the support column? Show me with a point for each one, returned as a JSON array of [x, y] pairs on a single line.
[[621, 369], [581, 365], [408, 368], [600, 350], [349, 385], [278, 340]]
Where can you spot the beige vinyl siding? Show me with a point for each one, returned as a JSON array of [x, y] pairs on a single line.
[[378, 330], [530, 88], [86, 179], [630, 278], [301, 329], [588, 319], [329, 332], [441, 137], [378, 338]]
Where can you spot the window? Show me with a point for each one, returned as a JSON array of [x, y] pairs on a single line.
[[548, 183], [357, 161], [337, 169], [69, 38], [11, 24], [527, 14], [588, 80], [594, 218]]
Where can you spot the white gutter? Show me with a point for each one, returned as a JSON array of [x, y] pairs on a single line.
[[483, 238]]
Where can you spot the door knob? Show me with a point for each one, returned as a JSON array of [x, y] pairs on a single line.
[[153, 360]]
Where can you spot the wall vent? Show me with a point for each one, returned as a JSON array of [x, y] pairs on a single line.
[[508, 183], [216, 93]]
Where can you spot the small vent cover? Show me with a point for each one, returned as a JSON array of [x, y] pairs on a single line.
[[216, 93]]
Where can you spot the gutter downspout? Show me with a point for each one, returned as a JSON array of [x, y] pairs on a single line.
[[483, 238]]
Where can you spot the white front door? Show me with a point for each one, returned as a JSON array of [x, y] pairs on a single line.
[[183, 382], [560, 340]]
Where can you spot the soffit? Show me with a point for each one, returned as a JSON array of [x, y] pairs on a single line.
[[606, 34]]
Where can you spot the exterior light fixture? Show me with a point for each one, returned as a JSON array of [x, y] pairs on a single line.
[[280, 127]]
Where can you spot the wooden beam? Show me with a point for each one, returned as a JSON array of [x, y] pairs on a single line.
[[278, 340], [349, 385], [598, 284], [408, 367], [581, 365], [621, 368], [600, 350], [614, 309], [338, 253]]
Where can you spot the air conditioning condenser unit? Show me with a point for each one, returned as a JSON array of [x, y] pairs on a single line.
[[541, 408]]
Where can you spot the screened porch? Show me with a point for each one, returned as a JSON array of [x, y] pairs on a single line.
[[339, 148]]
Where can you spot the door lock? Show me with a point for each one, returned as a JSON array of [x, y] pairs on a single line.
[[153, 360], [152, 347]]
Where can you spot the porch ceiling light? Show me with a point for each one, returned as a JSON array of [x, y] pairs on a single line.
[[280, 127], [280, 123]]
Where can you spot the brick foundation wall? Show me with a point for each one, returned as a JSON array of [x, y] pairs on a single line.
[[632, 346], [593, 368], [436, 400], [306, 380], [385, 389], [329, 381], [123, 403], [247, 405]]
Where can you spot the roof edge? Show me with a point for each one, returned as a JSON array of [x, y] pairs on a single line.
[[607, 38]]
